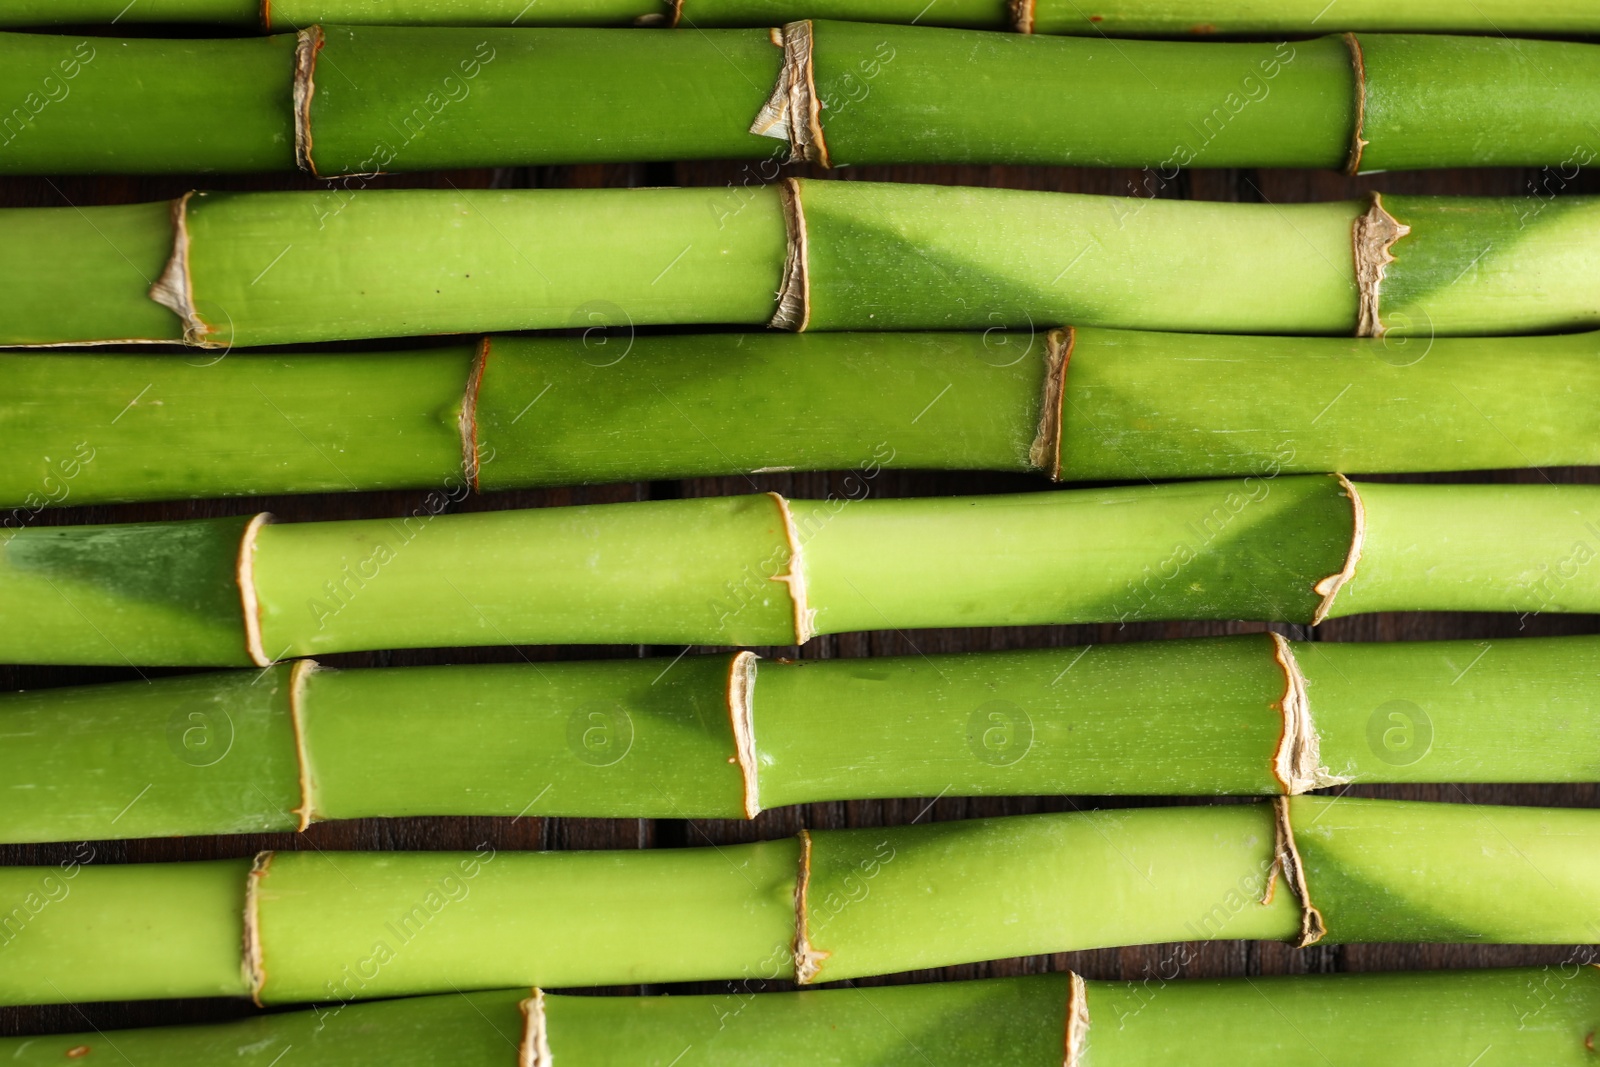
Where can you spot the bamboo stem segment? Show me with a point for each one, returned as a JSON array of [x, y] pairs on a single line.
[[268, 268], [357, 100], [517, 412], [1428, 1019], [1137, 18], [335, 927], [727, 736], [760, 570]]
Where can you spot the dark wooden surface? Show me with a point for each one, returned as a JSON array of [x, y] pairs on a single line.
[[530, 833]]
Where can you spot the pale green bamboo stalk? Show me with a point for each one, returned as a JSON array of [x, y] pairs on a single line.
[[729, 736], [81, 428], [762, 570], [1427, 1019], [269, 268], [825, 906]]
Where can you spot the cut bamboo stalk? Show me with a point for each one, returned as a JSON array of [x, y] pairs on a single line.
[[727, 737], [825, 906], [354, 100], [1173, 18], [270, 268], [517, 412], [1424, 1019], [762, 570]]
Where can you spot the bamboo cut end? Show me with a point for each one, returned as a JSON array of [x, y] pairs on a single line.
[[793, 112], [1330, 586], [1374, 237], [794, 292], [741, 688], [1297, 764], [534, 1049], [1358, 144], [299, 678], [1021, 15], [805, 617], [255, 972], [1286, 859], [1076, 1042], [174, 289], [1045, 453], [249, 601], [808, 960], [308, 42]]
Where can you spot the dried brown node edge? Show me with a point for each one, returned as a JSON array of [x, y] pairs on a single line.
[[793, 111], [1045, 452], [1373, 238]]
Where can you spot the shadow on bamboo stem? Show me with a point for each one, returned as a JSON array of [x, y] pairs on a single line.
[[1439, 1019], [729, 736], [279, 268], [762, 570], [516, 412], [826, 906]]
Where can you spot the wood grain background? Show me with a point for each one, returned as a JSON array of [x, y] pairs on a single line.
[[533, 833]]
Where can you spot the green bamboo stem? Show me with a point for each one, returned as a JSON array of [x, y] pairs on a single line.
[[342, 100], [269, 268], [1437, 1019], [1174, 18], [726, 737], [87, 428], [825, 906], [760, 570]]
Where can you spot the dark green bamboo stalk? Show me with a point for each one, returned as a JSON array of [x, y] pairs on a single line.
[[342, 100], [1427, 1019], [1176, 18], [1081, 404], [269, 268], [721, 737], [760, 570], [826, 906]]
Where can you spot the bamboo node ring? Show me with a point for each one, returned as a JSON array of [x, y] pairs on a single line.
[[1330, 586], [1297, 764], [1374, 236], [794, 293], [741, 687], [1076, 1042], [255, 973], [1286, 858], [795, 577], [794, 110], [308, 42], [534, 1050], [1045, 452], [808, 961]]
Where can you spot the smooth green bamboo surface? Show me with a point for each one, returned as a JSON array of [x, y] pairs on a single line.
[[219, 753], [1176, 18], [759, 570], [1426, 1019], [824, 907], [85, 428], [387, 98], [269, 268]]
